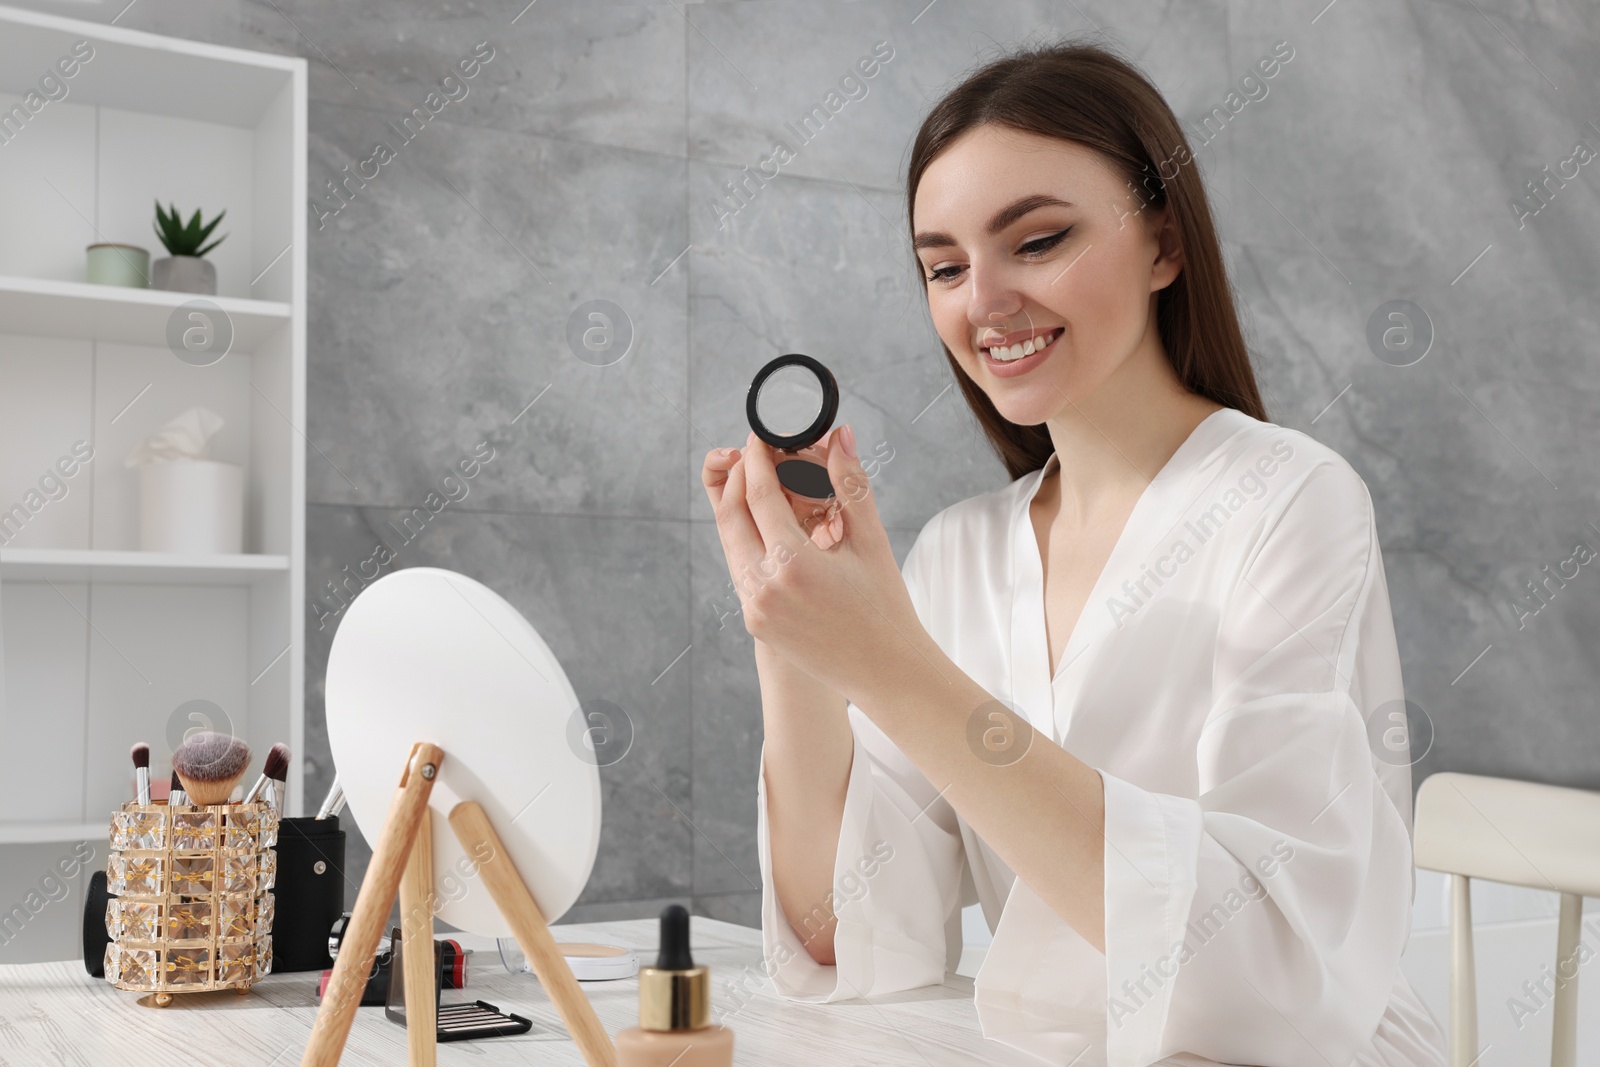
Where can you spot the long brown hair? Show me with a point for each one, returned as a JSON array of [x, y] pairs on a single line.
[[1084, 93]]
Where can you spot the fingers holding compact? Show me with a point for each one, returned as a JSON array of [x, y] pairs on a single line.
[[714, 472], [772, 506], [853, 491], [758, 511], [724, 478]]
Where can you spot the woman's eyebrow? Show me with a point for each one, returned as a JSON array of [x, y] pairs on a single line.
[[1002, 218]]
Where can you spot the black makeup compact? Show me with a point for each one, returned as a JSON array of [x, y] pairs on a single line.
[[791, 406]]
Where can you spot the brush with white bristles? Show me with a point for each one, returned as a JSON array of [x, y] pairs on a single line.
[[209, 765], [275, 771]]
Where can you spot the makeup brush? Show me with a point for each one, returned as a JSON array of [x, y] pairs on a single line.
[[175, 797], [209, 764], [141, 773], [334, 803], [275, 770]]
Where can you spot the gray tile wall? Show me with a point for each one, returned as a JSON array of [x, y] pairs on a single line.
[[582, 164]]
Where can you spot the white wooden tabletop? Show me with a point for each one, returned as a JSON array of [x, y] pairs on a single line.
[[54, 1013]]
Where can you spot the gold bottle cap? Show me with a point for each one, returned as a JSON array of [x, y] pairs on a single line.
[[674, 1000], [674, 994]]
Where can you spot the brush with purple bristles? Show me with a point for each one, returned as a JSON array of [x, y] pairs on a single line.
[[141, 773], [275, 771], [209, 764]]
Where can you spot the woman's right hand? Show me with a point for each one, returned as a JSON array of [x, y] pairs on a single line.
[[723, 477]]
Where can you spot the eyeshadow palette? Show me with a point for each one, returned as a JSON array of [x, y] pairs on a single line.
[[455, 1022], [462, 1022]]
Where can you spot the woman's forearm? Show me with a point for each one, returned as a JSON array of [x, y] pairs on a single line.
[[1039, 807], [807, 754]]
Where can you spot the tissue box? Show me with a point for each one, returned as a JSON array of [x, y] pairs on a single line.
[[191, 505]]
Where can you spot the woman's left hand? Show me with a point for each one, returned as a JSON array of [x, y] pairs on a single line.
[[829, 595]]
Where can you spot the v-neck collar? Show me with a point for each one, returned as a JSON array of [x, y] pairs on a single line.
[[1032, 681]]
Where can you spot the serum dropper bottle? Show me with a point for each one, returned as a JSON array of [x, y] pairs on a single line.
[[675, 1008]]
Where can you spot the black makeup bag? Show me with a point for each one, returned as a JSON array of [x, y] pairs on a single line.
[[95, 935], [310, 893]]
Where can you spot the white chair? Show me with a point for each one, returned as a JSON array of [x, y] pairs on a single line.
[[1522, 833]]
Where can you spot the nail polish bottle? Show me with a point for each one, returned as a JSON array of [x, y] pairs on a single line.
[[675, 1008]]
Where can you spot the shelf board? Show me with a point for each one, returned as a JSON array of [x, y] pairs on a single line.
[[155, 568], [44, 307], [38, 833], [140, 71]]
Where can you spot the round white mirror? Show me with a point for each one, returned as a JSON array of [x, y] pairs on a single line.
[[425, 654]]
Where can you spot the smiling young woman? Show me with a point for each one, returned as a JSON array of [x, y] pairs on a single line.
[[1122, 703]]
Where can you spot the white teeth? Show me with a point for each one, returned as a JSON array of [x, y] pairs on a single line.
[[1027, 348]]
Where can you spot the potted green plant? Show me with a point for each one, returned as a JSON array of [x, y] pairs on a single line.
[[184, 270]]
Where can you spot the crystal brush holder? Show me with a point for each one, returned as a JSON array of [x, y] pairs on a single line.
[[191, 897]]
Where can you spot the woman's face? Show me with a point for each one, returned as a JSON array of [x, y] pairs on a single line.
[[1023, 237]]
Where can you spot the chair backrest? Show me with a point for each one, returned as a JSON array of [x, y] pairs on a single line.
[[1522, 833]]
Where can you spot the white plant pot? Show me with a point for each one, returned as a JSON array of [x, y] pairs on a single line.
[[184, 274], [191, 505]]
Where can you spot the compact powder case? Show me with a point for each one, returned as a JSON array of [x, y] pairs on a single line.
[[791, 405]]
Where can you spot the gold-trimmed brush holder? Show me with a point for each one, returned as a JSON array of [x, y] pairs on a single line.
[[191, 897]]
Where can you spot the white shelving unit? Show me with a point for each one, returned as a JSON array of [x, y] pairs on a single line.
[[104, 644]]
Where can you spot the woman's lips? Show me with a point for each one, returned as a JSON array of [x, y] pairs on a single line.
[[1012, 368]]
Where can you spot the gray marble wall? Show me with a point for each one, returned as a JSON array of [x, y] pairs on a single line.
[[1382, 165]]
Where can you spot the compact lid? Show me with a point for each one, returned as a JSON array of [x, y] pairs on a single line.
[[791, 406], [792, 402]]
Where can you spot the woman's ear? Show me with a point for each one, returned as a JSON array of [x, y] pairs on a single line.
[[1169, 250]]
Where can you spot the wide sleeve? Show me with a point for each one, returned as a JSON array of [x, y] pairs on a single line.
[[1261, 919], [897, 874], [1263, 922]]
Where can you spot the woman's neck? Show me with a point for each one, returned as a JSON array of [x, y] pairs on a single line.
[[1110, 445]]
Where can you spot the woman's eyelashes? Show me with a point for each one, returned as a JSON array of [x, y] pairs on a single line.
[[1041, 245], [1034, 249]]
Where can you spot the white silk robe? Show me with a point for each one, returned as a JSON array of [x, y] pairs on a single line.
[[1234, 680]]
